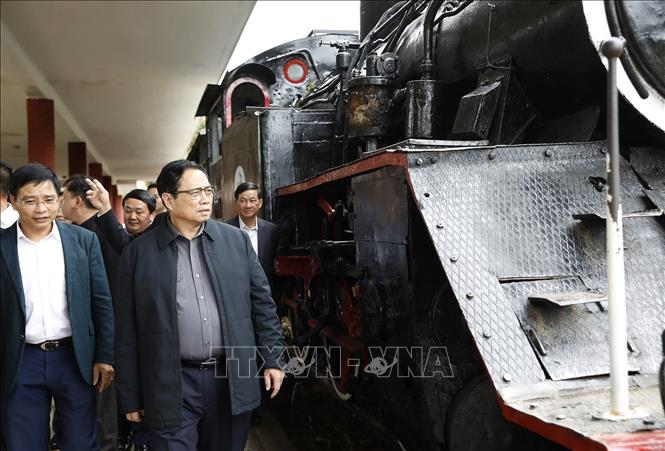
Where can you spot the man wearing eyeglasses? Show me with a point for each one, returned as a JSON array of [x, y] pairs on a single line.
[[56, 339], [195, 304]]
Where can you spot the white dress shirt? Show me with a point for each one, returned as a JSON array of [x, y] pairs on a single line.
[[253, 233], [43, 276], [8, 217]]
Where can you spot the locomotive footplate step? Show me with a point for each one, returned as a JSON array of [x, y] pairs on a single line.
[[602, 217], [576, 406], [570, 298]]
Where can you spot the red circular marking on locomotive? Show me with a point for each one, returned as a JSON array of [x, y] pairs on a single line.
[[295, 71]]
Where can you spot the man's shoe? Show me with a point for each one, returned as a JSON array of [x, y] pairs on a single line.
[[53, 443], [124, 443], [144, 448]]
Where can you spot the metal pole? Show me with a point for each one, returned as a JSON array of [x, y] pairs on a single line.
[[612, 50]]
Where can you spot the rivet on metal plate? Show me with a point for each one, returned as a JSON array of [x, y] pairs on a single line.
[[507, 377], [453, 259], [439, 226], [548, 153], [419, 161], [492, 155], [561, 417], [469, 295], [487, 334]]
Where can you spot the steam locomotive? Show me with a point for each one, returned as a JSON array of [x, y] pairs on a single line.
[[439, 180]]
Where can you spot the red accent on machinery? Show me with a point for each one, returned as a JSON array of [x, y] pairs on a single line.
[[232, 87], [359, 167], [295, 71]]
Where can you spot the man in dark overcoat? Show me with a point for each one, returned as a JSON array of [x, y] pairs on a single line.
[[195, 306]]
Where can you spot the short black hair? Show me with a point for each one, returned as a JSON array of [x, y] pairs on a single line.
[[77, 185], [142, 195], [247, 186], [32, 173], [152, 185], [5, 177], [170, 175]]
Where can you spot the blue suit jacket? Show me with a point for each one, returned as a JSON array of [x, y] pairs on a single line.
[[88, 301]]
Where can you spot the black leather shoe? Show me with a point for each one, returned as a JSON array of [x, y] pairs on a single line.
[[124, 443], [53, 443]]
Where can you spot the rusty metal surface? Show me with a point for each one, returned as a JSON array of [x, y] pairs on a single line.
[[505, 214], [575, 405], [363, 165]]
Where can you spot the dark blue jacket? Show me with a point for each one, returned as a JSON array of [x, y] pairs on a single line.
[[88, 302], [148, 366]]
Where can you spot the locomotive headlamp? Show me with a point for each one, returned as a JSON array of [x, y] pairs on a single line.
[[295, 71]]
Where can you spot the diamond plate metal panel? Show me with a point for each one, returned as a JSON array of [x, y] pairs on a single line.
[[506, 214], [650, 166], [574, 338]]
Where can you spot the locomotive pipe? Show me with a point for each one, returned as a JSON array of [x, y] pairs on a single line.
[[427, 64], [616, 284]]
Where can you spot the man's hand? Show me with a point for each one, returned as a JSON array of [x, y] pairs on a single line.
[[273, 378], [135, 417], [102, 376], [98, 196]]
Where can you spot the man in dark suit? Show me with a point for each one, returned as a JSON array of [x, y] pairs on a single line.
[[139, 214], [77, 209], [263, 235], [139, 208], [196, 304], [56, 338]]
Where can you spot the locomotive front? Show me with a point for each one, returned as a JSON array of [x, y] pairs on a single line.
[[441, 189]]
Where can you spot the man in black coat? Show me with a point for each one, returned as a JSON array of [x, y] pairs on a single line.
[[263, 235], [196, 305], [77, 209]]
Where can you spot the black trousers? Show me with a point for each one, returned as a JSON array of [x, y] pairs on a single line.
[[207, 423]]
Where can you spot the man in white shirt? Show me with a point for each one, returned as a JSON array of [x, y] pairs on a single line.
[[8, 215], [57, 320], [263, 235]]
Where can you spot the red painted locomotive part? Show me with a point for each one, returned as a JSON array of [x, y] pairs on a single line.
[[351, 314], [365, 165], [634, 441], [328, 210], [304, 267], [233, 86]]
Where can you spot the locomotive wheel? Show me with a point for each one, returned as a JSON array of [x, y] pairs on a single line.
[[475, 423], [337, 372]]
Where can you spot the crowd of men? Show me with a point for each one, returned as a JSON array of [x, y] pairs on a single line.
[[148, 329]]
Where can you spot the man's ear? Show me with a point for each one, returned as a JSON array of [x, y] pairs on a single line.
[[260, 203], [10, 198], [167, 200]]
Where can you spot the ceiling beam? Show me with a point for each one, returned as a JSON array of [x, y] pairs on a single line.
[[48, 91]]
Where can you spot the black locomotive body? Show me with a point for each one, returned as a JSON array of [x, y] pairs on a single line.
[[440, 187]]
